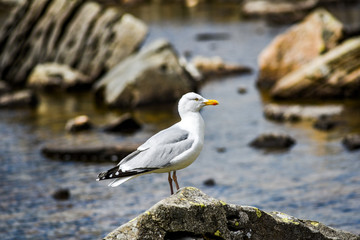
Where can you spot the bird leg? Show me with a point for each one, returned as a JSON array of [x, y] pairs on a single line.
[[170, 183], [175, 180]]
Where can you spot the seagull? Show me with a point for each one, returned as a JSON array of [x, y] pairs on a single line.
[[169, 150]]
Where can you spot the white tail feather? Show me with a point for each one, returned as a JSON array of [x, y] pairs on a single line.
[[119, 181]]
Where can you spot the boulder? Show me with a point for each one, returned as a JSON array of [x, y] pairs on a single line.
[[335, 74], [19, 99], [280, 11], [81, 34], [125, 124], [61, 194], [273, 141], [316, 34], [79, 123], [153, 75], [352, 141], [54, 76], [191, 214], [294, 113]]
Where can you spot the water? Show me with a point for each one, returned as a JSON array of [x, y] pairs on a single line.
[[317, 179]]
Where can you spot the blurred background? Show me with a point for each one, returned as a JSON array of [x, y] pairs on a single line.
[[84, 83]]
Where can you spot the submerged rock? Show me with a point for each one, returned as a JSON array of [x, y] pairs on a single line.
[[335, 74], [151, 76], [19, 99], [61, 194], [54, 76], [125, 124], [81, 34], [79, 123], [191, 214], [273, 141], [303, 42], [352, 141]]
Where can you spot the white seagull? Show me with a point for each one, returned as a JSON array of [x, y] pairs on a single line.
[[169, 150]]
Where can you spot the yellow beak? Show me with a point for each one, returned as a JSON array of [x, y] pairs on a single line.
[[211, 102]]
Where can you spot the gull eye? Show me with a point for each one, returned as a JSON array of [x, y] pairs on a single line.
[[196, 99]]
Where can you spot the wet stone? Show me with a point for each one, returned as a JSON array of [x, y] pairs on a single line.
[[125, 124], [351, 142], [20, 99], [61, 194], [273, 141], [210, 182], [325, 123], [79, 123]]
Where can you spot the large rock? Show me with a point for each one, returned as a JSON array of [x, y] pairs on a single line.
[[272, 141], [278, 11], [151, 76], [318, 33], [81, 34], [54, 76], [190, 214], [335, 74]]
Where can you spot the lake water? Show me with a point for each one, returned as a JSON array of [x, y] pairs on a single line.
[[317, 179]]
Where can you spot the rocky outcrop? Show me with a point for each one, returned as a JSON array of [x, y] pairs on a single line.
[[273, 141], [81, 34], [335, 74], [303, 42], [54, 76], [151, 76], [19, 99], [190, 214], [280, 11]]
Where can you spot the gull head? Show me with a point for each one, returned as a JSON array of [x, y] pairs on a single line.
[[193, 102]]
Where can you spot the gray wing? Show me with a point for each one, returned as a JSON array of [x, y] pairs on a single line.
[[159, 150]]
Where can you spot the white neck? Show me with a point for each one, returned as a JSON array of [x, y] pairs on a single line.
[[193, 122]]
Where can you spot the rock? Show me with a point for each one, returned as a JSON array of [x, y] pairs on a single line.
[[333, 75], [153, 75], [8, 4], [273, 141], [221, 149], [325, 123], [125, 124], [212, 36], [79, 123], [19, 99], [283, 11], [89, 152], [209, 182], [4, 88], [81, 34], [351, 142], [190, 214], [294, 113], [318, 33], [61, 194], [54, 76], [216, 65], [242, 90]]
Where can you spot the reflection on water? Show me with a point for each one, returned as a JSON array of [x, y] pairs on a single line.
[[317, 179]]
